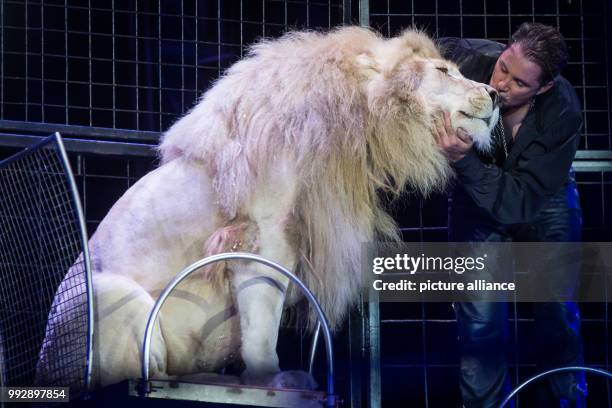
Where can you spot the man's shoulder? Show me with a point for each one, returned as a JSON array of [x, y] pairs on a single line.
[[561, 101], [474, 57], [567, 94], [559, 107], [452, 47]]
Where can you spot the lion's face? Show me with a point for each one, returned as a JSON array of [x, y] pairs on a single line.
[[472, 105]]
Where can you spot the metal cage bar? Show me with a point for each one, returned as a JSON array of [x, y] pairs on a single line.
[[86, 259]]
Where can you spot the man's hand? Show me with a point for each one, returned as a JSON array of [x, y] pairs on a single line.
[[454, 143]]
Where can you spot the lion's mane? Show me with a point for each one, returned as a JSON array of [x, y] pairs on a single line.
[[341, 107]]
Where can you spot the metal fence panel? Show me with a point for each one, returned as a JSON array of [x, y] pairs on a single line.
[[41, 238]]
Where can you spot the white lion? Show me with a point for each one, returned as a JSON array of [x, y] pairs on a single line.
[[284, 157]]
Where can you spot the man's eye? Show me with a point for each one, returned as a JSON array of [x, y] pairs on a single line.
[[520, 84], [442, 69]]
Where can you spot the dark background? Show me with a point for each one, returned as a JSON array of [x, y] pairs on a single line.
[[127, 69]]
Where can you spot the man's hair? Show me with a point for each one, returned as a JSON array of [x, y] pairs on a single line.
[[543, 45]]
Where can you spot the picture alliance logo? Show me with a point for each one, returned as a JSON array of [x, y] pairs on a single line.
[[422, 263]]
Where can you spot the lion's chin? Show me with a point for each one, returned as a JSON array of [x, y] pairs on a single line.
[[480, 130]]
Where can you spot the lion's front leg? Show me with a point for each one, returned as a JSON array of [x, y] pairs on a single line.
[[260, 300], [260, 294]]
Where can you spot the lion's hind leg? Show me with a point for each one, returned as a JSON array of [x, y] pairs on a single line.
[[121, 314]]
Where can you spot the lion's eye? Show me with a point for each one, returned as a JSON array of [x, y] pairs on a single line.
[[442, 69]]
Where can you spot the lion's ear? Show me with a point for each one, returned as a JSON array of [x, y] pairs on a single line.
[[368, 65], [394, 89], [382, 58], [420, 44]]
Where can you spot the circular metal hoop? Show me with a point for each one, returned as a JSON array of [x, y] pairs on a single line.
[[554, 371], [146, 350]]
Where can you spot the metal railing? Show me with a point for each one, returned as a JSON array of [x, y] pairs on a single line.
[[332, 398], [552, 372]]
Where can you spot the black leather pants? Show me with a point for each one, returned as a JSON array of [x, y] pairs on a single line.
[[483, 328]]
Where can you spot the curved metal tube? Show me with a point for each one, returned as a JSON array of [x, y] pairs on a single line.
[[550, 372], [85, 244], [331, 397], [313, 348]]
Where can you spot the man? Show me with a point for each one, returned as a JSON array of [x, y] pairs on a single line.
[[523, 192]]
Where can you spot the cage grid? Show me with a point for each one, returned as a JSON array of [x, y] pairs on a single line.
[[40, 241], [131, 64]]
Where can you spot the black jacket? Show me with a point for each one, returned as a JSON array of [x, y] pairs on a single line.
[[538, 162]]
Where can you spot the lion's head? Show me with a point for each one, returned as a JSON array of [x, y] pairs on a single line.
[[410, 68], [472, 105], [351, 113]]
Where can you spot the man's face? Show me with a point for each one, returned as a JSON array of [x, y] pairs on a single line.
[[516, 78]]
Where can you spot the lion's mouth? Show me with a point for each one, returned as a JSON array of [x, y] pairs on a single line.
[[486, 119]]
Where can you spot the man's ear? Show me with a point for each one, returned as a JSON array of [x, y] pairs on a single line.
[[545, 87]]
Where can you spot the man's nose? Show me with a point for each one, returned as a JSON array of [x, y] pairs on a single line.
[[502, 85]]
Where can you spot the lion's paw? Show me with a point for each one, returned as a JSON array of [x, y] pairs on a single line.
[[298, 380]]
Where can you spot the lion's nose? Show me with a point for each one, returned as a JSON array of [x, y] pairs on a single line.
[[494, 96]]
